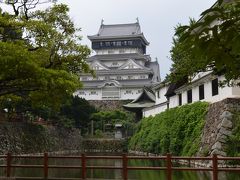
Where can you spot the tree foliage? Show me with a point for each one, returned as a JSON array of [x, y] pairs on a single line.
[[80, 111], [40, 54], [210, 44], [102, 118]]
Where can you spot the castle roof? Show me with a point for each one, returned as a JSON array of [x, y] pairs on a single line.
[[144, 100], [115, 31], [119, 57]]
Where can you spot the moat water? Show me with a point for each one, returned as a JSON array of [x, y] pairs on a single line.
[[111, 174]]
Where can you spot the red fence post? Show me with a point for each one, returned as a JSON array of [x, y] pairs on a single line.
[[169, 166], [45, 167], [83, 166], [214, 167], [9, 159], [124, 166]]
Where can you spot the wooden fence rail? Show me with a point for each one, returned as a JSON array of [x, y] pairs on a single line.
[[214, 168]]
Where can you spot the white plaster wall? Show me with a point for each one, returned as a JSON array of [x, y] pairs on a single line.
[[155, 110], [173, 101], [87, 94], [110, 63], [184, 98], [195, 93], [125, 77], [223, 92], [162, 98], [118, 51], [236, 91], [133, 95]]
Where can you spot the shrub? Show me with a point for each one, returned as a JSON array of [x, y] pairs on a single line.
[[175, 131]]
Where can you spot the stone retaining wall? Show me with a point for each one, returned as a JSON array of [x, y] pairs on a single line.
[[107, 105], [218, 126], [24, 138], [105, 145]]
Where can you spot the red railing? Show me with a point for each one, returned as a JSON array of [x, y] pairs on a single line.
[[214, 168]]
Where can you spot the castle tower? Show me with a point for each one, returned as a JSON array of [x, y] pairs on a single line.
[[121, 64]]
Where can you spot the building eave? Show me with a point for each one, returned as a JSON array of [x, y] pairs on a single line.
[[195, 83]]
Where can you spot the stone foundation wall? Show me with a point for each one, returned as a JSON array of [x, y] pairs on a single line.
[[108, 105], [218, 127], [105, 145], [24, 138]]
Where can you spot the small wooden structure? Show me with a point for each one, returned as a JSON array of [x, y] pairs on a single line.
[[118, 131]]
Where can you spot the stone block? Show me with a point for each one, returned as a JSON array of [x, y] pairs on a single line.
[[225, 131], [217, 145], [226, 114], [219, 126], [221, 138], [226, 123], [218, 152]]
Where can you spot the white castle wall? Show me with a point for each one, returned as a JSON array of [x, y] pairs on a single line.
[[152, 111], [223, 93], [125, 94]]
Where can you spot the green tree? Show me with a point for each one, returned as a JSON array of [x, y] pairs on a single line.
[[40, 55], [210, 44], [113, 117], [80, 111]]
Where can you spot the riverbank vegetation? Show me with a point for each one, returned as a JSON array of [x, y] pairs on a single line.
[[175, 131]]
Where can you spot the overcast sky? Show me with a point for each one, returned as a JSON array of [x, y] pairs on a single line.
[[157, 19]]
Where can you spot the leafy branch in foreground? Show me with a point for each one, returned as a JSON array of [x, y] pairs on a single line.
[[210, 44]]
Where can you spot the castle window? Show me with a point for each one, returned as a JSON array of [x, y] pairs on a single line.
[[121, 51], [128, 91], [130, 77], [93, 93], [96, 67], [180, 99], [107, 43], [119, 77], [118, 43], [130, 66], [84, 78], [113, 78], [215, 87], [110, 51], [158, 94], [130, 43], [189, 96], [115, 64], [201, 92], [81, 93]]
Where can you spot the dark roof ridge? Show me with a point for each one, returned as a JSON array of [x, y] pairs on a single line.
[[123, 24]]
